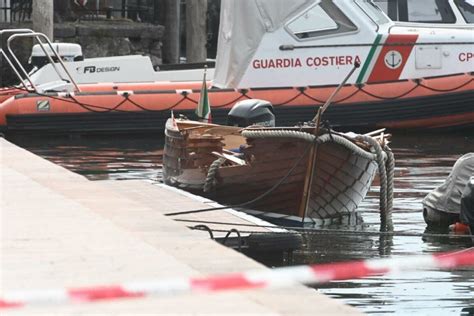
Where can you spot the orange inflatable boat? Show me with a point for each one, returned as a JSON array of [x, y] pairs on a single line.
[[444, 102], [410, 76]]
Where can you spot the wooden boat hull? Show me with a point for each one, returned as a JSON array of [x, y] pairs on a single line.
[[340, 181], [435, 103]]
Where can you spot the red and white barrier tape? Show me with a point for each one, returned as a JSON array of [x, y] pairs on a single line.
[[276, 278]]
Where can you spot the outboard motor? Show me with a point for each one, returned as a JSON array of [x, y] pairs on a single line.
[[251, 112], [67, 51]]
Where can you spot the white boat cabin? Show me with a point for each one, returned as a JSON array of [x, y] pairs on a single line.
[[274, 43], [281, 43]]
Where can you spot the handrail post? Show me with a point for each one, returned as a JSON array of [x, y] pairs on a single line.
[[38, 37], [12, 66]]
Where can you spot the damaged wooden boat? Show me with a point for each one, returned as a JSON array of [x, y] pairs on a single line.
[[300, 174]]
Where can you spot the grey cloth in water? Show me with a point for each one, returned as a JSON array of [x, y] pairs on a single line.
[[467, 204], [447, 197]]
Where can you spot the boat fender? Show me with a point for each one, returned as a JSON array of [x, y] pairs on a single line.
[[125, 93]]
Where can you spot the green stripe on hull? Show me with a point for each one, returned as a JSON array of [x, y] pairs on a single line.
[[369, 58]]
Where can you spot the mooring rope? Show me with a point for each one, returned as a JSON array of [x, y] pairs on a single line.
[[325, 138], [390, 167], [385, 213], [209, 183], [317, 231], [279, 133]]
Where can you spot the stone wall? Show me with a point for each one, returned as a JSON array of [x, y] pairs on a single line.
[[98, 39]]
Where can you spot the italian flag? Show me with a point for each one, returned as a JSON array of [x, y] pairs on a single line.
[[203, 110]]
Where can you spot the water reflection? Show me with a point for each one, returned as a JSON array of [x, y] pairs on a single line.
[[102, 158], [423, 162]]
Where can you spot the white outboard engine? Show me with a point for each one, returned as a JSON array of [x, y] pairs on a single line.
[[251, 112], [67, 52]]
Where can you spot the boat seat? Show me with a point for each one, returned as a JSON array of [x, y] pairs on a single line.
[[56, 86], [230, 157]]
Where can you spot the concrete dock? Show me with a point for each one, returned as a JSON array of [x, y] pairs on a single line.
[[59, 229], [156, 196]]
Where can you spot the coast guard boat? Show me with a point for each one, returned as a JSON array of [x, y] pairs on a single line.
[[292, 54]]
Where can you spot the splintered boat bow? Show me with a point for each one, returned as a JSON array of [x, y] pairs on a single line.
[[270, 168]]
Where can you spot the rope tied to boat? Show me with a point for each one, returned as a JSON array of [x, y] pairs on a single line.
[[386, 166], [259, 133], [390, 166], [210, 181], [382, 156], [325, 138]]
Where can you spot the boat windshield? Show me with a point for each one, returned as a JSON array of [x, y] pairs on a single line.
[[467, 9], [426, 11], [373, 11], [322, 19]]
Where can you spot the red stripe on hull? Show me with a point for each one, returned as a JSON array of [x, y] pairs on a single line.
[[382, 71]]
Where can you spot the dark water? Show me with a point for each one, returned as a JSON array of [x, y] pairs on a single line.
[[423, 162], [101, 158]]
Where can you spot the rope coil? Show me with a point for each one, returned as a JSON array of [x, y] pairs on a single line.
[[385, 205], [390, 167]]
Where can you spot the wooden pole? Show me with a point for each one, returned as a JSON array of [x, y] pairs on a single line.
[[172, 31], [42, 16], [313, 155], [196, 31], [308, 182], [322, 109]]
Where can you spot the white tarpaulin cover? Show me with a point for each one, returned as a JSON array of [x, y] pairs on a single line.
[[242, 26], [447, 197]]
